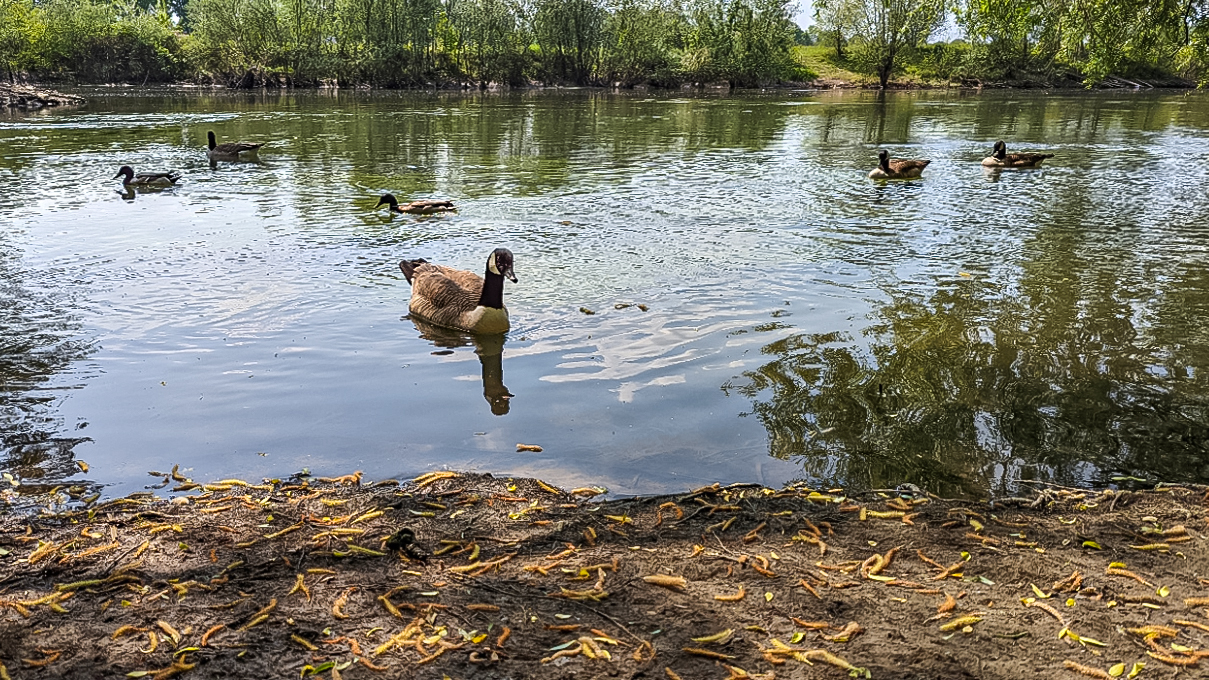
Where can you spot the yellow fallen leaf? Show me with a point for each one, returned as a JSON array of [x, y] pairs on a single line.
[[674, 582], [768, 597], [716, 638], [1117, 670], [1041, 594]]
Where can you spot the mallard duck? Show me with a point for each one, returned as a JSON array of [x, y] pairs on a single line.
[[1000, 158], [426, 206], [896, 169], [147, 179], [455, 298], [230, 150]]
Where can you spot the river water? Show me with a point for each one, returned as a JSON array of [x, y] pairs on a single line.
[[963, 332]]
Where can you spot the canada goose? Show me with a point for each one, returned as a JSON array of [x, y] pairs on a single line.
[[460, 299], [230, 150], [1000, 158], [426, 206], [897, 168], [147, 179]]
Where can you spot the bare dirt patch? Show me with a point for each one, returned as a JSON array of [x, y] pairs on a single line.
[[512, 578]]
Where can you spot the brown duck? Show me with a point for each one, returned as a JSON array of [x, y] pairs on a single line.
[[897, 168], [147, 179], [456, 298], [1000, 158], [229, 151], [426, 206]]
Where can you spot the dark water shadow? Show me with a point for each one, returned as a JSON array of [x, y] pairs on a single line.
[[39, 343], [490, 350]]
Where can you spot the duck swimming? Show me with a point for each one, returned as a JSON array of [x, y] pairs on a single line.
[[456, 298], [897, 168], [147, 179], [229, 151], [1000, 158], [427, 206]]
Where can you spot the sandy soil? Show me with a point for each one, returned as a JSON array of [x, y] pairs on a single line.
[[512, 578]]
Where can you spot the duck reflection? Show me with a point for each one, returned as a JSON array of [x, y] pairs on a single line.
[[130, 192], [490, 350]]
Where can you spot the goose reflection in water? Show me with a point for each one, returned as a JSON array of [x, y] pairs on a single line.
[[490, 350]]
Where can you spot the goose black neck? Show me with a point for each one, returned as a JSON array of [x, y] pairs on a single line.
[[885, 163], [493, 290], [210, 139]]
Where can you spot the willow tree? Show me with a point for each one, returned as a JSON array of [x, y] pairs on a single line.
[[490, 39], [237, 35], [1110, 38], [569, 33], [18, 25], [639, 38], [1009, 37], [744, 41]]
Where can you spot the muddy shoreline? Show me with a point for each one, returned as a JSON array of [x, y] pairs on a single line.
[[466, 575], [34, 97]]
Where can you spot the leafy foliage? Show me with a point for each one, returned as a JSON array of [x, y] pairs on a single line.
[[593, 42]]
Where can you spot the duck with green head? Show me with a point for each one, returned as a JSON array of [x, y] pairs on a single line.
[[425, 206], [147, 179]]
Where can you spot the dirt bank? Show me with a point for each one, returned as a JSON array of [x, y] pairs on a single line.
[[516, 579], [30, 97]]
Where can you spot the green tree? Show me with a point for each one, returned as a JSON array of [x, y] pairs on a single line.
[[836, 23], [569, 33], [744, 41], [639, 37], [889, 29], [490, 39]]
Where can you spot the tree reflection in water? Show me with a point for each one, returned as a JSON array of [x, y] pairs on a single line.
[[38, 340], [969, 389]]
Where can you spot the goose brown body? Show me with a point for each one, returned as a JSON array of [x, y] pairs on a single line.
[[148, 179], [229, 150], [460, 299], [427, 206], [1000, 158], [897, 168]]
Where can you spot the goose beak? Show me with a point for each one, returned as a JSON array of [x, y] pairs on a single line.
[[116, 176], [381, 202], [511, 277]]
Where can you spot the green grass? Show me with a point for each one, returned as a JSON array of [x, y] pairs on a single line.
[[822, 60]]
